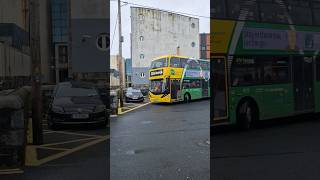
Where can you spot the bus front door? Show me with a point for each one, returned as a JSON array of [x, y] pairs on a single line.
[[175, 89], [303, 78], [219, 98]]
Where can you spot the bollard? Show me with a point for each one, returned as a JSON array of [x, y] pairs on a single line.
[[14, 112], [12, 131]]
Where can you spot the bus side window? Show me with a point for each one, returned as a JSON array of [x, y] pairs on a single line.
[[183, 62], [186, 85], [175, 62], [276, 71]]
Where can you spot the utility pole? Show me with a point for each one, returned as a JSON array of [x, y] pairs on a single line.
[[36, 72], [120, 55]]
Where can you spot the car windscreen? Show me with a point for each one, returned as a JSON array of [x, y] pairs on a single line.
[[75, 91], [134, 91], [158, 86]]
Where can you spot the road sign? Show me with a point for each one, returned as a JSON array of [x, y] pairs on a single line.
[[103, 42]]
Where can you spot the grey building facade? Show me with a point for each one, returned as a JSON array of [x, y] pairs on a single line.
[[156, 33]]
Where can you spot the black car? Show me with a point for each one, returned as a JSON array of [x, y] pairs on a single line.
[[133, 95], [76, 103]]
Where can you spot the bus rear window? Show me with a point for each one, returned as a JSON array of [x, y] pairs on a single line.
[[159, 63]]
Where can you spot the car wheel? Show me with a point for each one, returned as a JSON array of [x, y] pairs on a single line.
[[247, 115], [187, 98]]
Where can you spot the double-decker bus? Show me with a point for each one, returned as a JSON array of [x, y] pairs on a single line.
[[178, 78], [265, 60]]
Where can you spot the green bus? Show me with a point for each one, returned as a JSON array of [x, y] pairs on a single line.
[[261, 69]]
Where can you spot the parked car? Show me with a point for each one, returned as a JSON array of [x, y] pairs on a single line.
[[76, 103], [145, 91], [133, 95]]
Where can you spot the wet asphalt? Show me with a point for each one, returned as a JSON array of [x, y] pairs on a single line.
[[162, 142], [284, 149], [88, 163]]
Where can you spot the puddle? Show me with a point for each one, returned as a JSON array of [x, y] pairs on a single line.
[[139, 151], [205, 143], [146, 122]]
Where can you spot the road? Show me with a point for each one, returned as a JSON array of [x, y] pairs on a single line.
[[286, 150], [74, 153], [162, 142]]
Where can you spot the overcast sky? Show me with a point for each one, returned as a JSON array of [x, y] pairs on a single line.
[[199, 7]]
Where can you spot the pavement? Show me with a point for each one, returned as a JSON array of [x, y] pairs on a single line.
[[286, 149], [161, 141]]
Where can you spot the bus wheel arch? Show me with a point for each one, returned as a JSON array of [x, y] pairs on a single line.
[[247, 113], [187, 97]]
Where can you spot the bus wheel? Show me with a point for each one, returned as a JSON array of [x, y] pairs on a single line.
[[246, 115], [187, 98]]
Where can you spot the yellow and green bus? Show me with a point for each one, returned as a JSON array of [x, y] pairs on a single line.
[[260, 69], [178, 78]]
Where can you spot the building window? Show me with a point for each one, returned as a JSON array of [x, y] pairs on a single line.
[[141, 38], [141, 56], [193, 44], [193, 25], [60, 20], [142, 75]]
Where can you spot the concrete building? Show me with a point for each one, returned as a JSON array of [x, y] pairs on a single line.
[[114, 71], [155, 33], [14, 38], [204, 46], [79, 39]]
